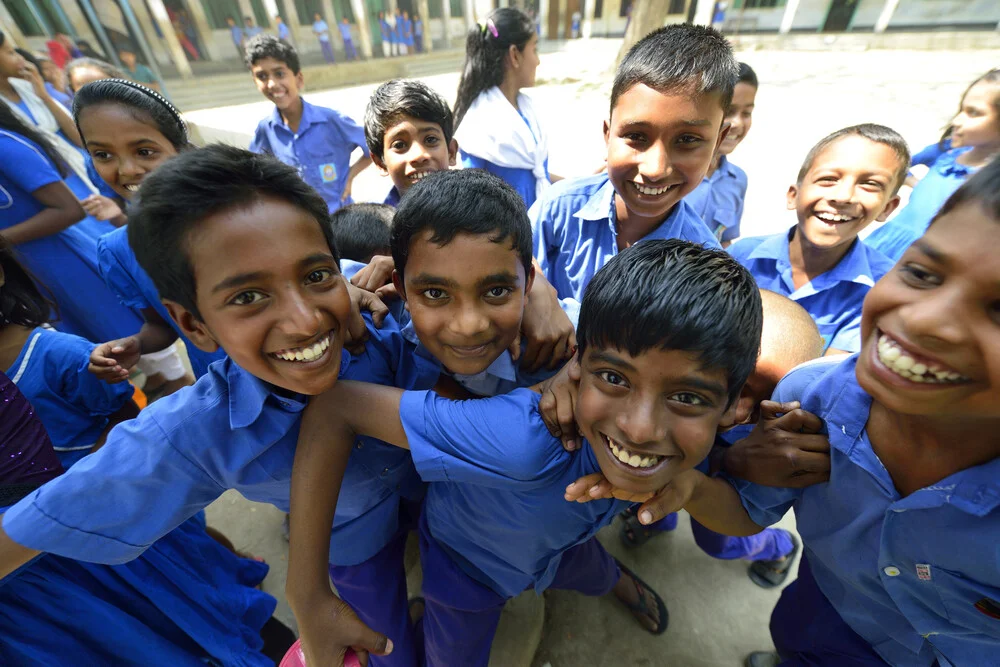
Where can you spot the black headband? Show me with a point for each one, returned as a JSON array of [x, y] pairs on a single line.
[[159, 98]]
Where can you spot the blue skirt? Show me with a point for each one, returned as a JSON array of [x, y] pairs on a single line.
[[186, 600]]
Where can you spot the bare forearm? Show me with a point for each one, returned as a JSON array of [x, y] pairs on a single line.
[[46, 222], [716, 505], [65, 121], [12, 554], [155, 336]]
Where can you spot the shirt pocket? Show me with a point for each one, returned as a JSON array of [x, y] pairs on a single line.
[[971, 605], [722, 219]]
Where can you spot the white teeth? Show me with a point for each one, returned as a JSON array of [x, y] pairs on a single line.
[[630, 459], [833, 217], [314, 351], [419, 175], [651, 191], [895, 359], [132, 188]]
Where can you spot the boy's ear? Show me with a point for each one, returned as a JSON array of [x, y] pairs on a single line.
[[397, 281], [300, 80], [791, 197], [380, 165], [452, 152], [607, 131], [890, 206], [191, 326], [529, 279], [723, 133], [740, 411]]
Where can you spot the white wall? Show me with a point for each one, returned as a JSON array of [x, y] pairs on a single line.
[[949, 12]]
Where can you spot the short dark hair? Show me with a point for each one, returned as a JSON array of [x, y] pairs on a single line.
[[404, 97], [144, 104], [107, 68], [198, 184], [677, 57], [469, 201], [747, 75], [982, 187], [880, 134], [268, 46], [361, 231], [676, 295]]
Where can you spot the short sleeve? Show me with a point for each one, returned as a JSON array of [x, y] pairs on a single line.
[[496, 442], [116, 263], [847, 337], [25, 164], [260, 142], [765, 505], [91, 515], [79, 386], [389, 359], [741, 250], [542, 237], [353, 133]]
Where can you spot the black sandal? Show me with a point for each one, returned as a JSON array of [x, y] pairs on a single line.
[[773, 573], [762, 659], [640, 588], [633, 534]]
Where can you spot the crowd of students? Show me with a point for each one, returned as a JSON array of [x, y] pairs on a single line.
[[486, 359]]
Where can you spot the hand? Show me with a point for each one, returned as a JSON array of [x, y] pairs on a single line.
[[377, 273], [781, 451], [596, 487], [328, 627], [672, 497], [548, 330], [346, 194], [30, 73], [558, 404], [101, 207], [357, 330], [113, 360]]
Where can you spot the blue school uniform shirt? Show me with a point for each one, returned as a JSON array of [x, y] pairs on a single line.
[[916, 577], [718, 200], [65, 262], [522, 180], [322, 30], [833, 299], [73, 404], [236, 33], [320, 150], [134, 288], [386, 33], [928, 155], [345, 31], [398, 30], [230, 430], [495, 502], [408, 32], [418, 28], [574, 231], [62, 98], [392, 199], [283, 32], [929, 195]]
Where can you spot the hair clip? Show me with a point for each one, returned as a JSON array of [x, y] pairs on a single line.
[[492, 28]]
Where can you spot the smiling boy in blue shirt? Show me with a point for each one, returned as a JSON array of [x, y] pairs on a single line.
[[495, 521], [667, 106], [318, 141], [244, 262], [848, 180]]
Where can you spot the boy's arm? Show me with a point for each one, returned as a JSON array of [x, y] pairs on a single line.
[[112, 361], [12, 554], [712, 502]]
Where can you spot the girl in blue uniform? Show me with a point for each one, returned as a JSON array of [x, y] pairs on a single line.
[[975, 140], [496, 125], [129, 131], [186, 601], [40, 214]]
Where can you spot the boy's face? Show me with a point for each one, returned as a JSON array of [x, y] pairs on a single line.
[[465, 298], [270, 295], [277, 83], [658, 411], [659, 147], [127, 58], [230, 22], [848, 186], [931, 327], [413, 148], [740, 116]]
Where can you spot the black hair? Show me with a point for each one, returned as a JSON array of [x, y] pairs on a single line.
[[100, 65], [747, 75], [993, 76], [268, 46], [21, 300], [11, 122], [676, 295], [679, 57], [198, 184], [404, 97], [982, 187], [144, 104], [30, 57], [361, 231], [880, 134], [463, 201], [3, 38], [486, 51]]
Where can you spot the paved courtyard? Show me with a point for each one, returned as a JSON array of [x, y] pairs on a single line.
[[717, 614]]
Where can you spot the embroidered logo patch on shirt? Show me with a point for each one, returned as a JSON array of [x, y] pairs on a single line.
[[328, 172], [923, 572], [989, 607]]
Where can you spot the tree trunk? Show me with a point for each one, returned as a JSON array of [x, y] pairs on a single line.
[[647, 16]]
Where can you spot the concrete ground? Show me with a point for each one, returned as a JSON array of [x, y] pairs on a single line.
[[717, 614]]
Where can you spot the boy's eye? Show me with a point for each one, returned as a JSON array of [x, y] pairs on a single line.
[[146, 152], [247, 298], [498, 292], [434, 294], [100, 155], [398, 146], [688, 139], [612, 378], [917, 276], [687, 398], [634, 136], [318, 276], [432, 140]]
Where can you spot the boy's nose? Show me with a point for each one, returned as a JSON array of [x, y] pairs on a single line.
[[936, 320], [469, 322], [843, 191], [655, 162], [299, 316], [642, 424]]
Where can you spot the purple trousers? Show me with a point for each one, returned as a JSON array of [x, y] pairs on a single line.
[[770, 544], [461, 615], [327, 51]]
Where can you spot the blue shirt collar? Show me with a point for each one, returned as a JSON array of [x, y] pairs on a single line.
[[248, 394], [853, 267], [309, 116], [974, 491], [600, 206], [392, 199], [947, 165], [502, 367]]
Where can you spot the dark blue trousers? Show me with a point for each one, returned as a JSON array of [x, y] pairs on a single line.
[[770, 544]]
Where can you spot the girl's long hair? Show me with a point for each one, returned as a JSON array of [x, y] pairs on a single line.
[[11, 122], [21, 300]]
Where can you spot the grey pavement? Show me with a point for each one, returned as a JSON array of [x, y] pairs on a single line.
[[717, 614]]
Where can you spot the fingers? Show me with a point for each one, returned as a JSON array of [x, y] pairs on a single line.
[[582, 486], [560, 351], [798, 421], [387, 293], [515, 352], [773, 409], [374, 305], [565, 409], [665, 502]]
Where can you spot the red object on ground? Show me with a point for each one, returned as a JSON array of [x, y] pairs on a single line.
[[295, 657]]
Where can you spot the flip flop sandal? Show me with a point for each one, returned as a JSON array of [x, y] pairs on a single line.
[[762, 659], [641, 587], [773, 573], [632, 533]]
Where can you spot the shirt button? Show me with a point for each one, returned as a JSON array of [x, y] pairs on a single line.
[[891, 571]]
